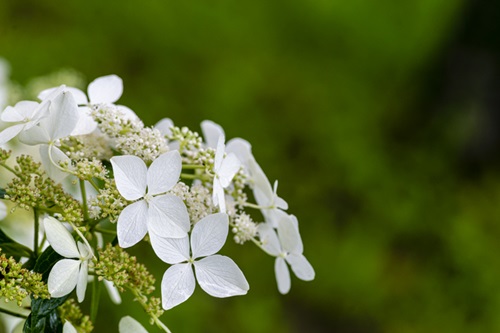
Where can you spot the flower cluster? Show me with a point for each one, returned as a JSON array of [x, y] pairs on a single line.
[[94, 175]]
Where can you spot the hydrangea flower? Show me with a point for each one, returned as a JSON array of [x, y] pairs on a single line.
[[72, 271], [217, 275], [164, 214], [287, 247], [225, 168], [24, 115]]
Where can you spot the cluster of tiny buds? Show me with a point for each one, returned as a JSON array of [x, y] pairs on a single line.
[[94, 145], [148, 144], [244, 228], [70, 311], [189, 143]]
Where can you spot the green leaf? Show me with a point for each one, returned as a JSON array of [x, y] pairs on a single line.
[[12, 248], [44, 317], [2, 193]]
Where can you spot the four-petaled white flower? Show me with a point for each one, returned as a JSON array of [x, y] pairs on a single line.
[[155, 211], [24, 115], [217, 275], [287, 248], [71, 271], [225, 168]]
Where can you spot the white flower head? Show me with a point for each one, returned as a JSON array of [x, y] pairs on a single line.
[[72, 271], [287, 247], [225, 168], [154, 211], [217, 275], [24, 115]]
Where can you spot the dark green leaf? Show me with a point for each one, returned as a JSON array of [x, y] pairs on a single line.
[[12, 248], [45, 262], [2, 193]]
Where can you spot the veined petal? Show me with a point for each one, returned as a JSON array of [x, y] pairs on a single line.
[[164, 172], [211, 132], [164, 126], [170, 250], [209, 235], [10, 132], [219, 276], [168, 216], [22, 111], [282, 275], [59, 238], [113, 292], [289, 235], [63, 116], [81, 285], [130, 176], [78, 95], [130, 325], [228, 169], [301, 267], [177, 285], [63, 277], [278, 202], [269, 239], [132, 224], [105, 89], [86, 124], [34, 136], [241, 148]]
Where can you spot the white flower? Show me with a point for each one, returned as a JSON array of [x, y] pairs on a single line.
[[130, 325], [164, 214], [24, 115], [217, 275], [287, 248], [72, 271], [225, 168], [211, 132]]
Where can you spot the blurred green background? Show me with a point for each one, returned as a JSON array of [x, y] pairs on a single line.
[[380, 120]]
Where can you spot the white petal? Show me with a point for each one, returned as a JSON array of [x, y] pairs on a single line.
[[219, 276], [130, 325], [218, 196], [86, 124], [130, 176], [228, 169], [209, 235], [105, 89], [10, 132], [35, 136], [168, 217], [301, 267], [22, 111], [3, 210], [128, 113], [82, 281], [164, 126], [170, 250], [269, 239], [278, 202], [164, 172], [63, 116], [241, 148], [57, 156], [78, 95], [68, 328], [289, 236], [60, 238], [132, 224], [63, 277], [211, 132], [113, 292], [282, 275], [177, 285], [219, 153]]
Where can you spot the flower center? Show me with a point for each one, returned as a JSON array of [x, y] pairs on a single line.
[[148, 197]]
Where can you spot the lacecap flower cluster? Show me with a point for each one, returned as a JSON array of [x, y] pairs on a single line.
[[99, 181]]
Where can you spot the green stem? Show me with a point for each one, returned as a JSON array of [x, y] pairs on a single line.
[[84, 200], [251, 205], [10, 169], [96, 295], [105, 231], [140, 298], [36, 232], [193, 166], [12, 313], [192, 176]]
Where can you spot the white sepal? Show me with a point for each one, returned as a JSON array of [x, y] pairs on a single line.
[[209, 235], [211, 132], [131, 226], [228, 169], [270, 242], [60, 238], [69, 328], [164, 172], [130, 325], [168, 216], [301, 267], [165, 126], [282, 275], [63, 277], [105, 89], [170, 250], [177, 285], [81, 285], [130, 176], [219, 276]]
